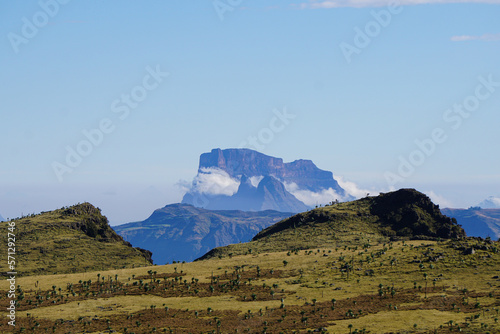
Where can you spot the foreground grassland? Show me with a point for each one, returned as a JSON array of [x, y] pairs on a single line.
[[393, 287]]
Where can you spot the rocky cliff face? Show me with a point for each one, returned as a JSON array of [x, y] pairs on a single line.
[[303, 173], [264, 182]]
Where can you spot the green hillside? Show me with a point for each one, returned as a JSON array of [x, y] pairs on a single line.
[[415, 286], [68, 240], [401, 215]]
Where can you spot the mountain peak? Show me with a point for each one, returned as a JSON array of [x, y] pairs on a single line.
[[229, 169], [241, 161]]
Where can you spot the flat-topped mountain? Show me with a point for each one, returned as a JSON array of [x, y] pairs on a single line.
[[250, 163], [182, 232], [244, 179], [68, 240], [403, 214]]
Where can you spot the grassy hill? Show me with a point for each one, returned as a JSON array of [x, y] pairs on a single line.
[[182, 232], [69, 240], [401, 215]]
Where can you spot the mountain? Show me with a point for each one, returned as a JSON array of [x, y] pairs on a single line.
[[1, 218], [182, 232], [252, 163], [490, 203], [403, 214], [477, 222], [68, 240], [270, 194], [244, 179]]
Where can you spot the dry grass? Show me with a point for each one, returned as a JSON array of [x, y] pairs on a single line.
[[308, 277], [398, 321]]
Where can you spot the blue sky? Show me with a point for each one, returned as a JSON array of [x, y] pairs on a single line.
[[68, 67]]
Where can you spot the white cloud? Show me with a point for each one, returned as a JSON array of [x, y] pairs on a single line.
[[214, 181], [352, 188], [495, 201], [183, 185], [312, 198], [490, 203], [325, 196], [438, 199], [314, 4], [485, 38], [255, 180], [291, 186]]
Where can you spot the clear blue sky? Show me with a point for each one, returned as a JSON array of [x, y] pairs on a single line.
[[67, 67]]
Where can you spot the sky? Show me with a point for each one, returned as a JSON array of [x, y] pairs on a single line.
[[112, 102]]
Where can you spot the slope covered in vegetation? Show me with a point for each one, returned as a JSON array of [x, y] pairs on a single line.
[[401, 215], [370, 278], [73, 239], [415, 286]]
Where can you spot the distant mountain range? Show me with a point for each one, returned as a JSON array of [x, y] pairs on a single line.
[[477, 222], [243, 179], [182, 232], [1, 218]]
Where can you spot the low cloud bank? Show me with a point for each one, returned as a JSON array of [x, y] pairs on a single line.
[[214, 181]]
